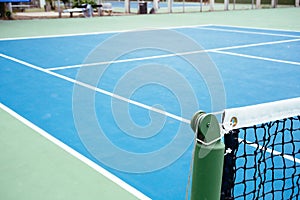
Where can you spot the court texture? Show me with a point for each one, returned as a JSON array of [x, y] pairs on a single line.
[[99, 108]]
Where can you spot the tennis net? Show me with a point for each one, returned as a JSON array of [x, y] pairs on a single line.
[[262, 159]]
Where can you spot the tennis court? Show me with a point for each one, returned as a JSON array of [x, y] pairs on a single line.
[[121, 100]]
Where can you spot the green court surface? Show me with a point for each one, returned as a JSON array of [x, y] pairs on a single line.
[[281, 18], [32, 167]]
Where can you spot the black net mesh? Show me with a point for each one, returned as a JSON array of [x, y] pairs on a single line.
[[264, 162]]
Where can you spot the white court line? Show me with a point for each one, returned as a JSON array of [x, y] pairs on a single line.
[[110, 62], [72, 151], [173, 54], [153, 28], [255, 44], [77, 155], [258, 57], [249, 32], [124, 60], [271, 151], [90, 163], [256, 28], [100, 32], [97, 89]]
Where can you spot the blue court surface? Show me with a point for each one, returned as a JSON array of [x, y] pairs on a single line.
[[124, 99]]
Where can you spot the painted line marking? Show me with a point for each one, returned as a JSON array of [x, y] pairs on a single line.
[[271, 151], [258, 57], [96, 89], [124, 60], [249, 32], [72, 151], [175, 54], [77, 155], [155, 28], [101, 32], [256, 28], [255, 44]]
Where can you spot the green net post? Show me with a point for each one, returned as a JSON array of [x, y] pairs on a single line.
[[208, 158]]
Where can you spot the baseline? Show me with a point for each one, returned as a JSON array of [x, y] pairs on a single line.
[[250, 32]]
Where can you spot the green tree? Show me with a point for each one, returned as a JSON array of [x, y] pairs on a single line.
[[2, 10], [77, 3], [51, 4]]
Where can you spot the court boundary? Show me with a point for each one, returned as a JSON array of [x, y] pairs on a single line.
[[102, 91], [100, 32], [143, 29], [219, 50], [75, 154], [214, 50]]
